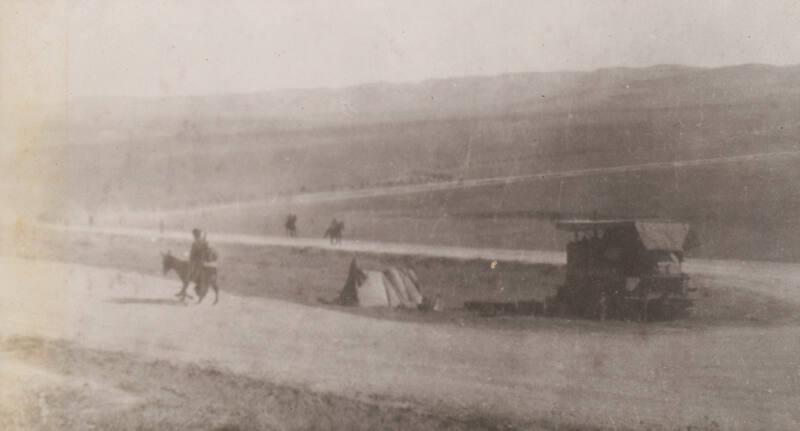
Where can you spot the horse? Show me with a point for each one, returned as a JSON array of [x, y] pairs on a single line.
[[291, 226], [335, 232], [208, 276]]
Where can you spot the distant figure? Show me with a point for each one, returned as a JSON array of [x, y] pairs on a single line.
[[161, 226], [199, 255], [91, 221], [339, 230], [334, 231], [330, 230], [291, 225]]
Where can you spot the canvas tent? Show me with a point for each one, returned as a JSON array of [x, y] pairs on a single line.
[[394, 288]]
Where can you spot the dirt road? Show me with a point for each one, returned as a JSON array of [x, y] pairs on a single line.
[[781, 280], [332, 196], [742, 378]]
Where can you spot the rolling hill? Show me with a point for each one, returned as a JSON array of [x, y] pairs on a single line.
[[157, 153]]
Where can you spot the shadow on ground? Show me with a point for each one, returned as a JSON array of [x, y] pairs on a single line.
[[146, 301]]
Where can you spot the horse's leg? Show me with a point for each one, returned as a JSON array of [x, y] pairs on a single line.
[[201, 289], [182, 293], [216, 290]]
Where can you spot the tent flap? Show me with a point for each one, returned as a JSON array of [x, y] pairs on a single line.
[[402, 290], [372, 291]]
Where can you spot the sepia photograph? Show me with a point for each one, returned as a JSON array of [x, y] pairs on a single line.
[[545, 215]]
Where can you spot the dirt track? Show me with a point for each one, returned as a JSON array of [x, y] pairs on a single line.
[[742, 378], [781, 280], [332, 196]]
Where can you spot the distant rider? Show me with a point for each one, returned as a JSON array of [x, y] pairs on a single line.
[[198, 256], [291, 225], [331, 231]]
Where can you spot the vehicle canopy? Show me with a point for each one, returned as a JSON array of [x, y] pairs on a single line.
[[653, 235], [625, 268], [631, 247]]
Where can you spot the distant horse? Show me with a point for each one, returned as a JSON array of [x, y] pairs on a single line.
[[208, 276], [291, 225], [334, 232]]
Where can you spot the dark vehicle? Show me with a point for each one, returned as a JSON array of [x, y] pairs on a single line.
[[625, 269]]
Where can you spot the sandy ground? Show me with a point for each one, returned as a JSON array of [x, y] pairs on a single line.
[[743, 378], [56, 385]]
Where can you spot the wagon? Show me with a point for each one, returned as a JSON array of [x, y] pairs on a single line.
[[625, 269]]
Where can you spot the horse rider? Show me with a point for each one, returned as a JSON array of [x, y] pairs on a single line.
[[331, 231], [198, 255], [291, 225]]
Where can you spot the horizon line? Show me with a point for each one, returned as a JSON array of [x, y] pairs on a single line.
[[423, 81]]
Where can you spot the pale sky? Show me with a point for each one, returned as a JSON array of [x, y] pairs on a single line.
[[57, 49]]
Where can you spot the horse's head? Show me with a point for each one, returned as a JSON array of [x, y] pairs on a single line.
[[166, 261]]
